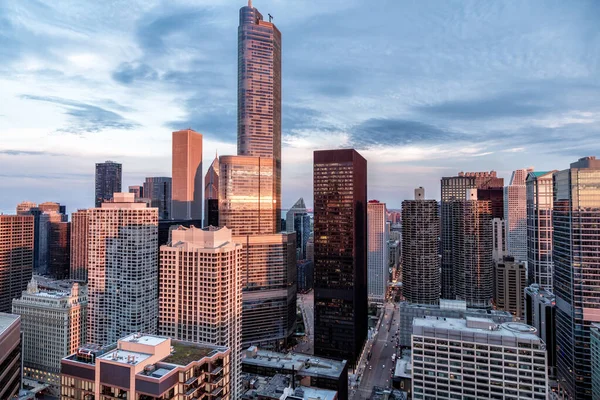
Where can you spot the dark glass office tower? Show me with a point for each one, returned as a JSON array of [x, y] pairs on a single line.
[[158, 189], [340, 253], [259, 93], [211, 194], [576, 256], [108, 181]]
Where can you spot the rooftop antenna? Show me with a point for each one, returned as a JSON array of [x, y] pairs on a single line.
[[270, 18], [250, 3]]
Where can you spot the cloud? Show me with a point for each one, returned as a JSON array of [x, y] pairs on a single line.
[[128, 73], [398, 132], [86, 118], [8, 152]]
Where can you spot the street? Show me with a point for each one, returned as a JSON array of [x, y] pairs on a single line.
[[306, 303], [381, 355]]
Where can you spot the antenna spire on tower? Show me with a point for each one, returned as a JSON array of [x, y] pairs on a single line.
[[250, 3]]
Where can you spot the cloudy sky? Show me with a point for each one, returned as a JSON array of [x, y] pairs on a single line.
[[422, 88]]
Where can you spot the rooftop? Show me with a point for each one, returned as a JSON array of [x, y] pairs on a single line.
[[403, 367], [303, 364], [6, 320], [479, 325], [125, 357], [185, 353], [149, 340]]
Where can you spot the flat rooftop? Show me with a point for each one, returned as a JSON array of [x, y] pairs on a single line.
[[479, 325], [403, 368], [149, 340], [303, 364], [185, 353], [125, 357], [6, 320]]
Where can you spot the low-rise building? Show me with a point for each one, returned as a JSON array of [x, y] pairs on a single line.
[[446, 309], [145, 367], [311, 371], [10, 355], [476, 358]]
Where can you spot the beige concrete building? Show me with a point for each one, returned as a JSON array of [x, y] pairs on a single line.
[[122, 269], [16, 257], [200, 291], [187, 175], [53, 326], [510, 281]]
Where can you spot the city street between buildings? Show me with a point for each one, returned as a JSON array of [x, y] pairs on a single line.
[[378, 370], [306, 303]]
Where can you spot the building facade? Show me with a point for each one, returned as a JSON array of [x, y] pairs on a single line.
[[16, 257], [510, 281], [340, 236], [259, 95], [159, 189], [499, 239], [59, 246], [540, 312], [53, 325], [198, 270], [297, 220], [269, 289], [211, 194], [108, 181], [41, 222], [473, 267], [595, 357], [247, 202], [539, 202], [80, 224], [515, 215], [576, 239], [10, 355], [453, 188], [475, 358], [122, 269], [142, 366], [421, 262], [378, 252], [137, 190], [186, 196]]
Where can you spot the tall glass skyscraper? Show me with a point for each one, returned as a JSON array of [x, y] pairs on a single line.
[[539, 228], [378, 251], [576, 256], [159, 189], [297, 220], [259, 93], [340, 234], [515, 215], [211, 194], [108, 181]]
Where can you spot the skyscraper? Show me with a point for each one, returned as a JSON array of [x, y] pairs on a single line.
[[539, 228], [421, 262], [41, 226], [108, 181], [203, 265], [158, 190], [297, 220], [137, 190], [378, 252], [473, 267], [53, 326], [510, 282], [515, 215], [80, 223], [453, 188], [340, 236], [259, 94], [16, 257], [10, 356], [576, 256], [122, 269], [246, 197], [211, 194], [187, 175]]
